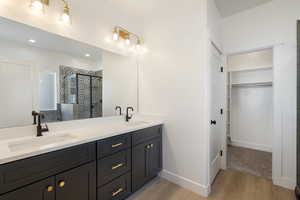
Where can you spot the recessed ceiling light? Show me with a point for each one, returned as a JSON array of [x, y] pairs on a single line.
[[32, 41], [87, 55]]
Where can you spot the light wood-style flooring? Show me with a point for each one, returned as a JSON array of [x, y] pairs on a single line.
[[229, 185]]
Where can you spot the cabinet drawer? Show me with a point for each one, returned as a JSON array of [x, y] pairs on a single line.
[[113, 166], [146, 134], [26, 171], [118, 189], [114, 144]]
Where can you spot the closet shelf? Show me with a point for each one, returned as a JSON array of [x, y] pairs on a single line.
[[251, 68], [256, 84]]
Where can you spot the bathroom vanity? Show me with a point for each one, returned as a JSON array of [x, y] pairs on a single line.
[[103, 169], [89, 149]]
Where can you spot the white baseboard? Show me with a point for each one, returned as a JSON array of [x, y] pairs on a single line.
[[248, 145], [186, 183], [284, 182]]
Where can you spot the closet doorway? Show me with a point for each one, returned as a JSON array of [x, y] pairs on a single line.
[[250, 112]]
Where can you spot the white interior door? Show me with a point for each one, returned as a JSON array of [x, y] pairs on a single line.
[[217, 111], [17, 94]]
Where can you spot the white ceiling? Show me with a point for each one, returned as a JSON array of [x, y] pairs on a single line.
[[231, 7], [18, 32]]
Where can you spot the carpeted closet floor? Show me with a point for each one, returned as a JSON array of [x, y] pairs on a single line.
[[258, 163]]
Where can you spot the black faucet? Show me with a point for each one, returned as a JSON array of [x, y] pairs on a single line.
[[39, 127], [34, 114], [119, 108], [127, 115]]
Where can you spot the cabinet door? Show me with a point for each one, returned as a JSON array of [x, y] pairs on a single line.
[[43, 190], [77, 184], [154, 158], [147, 162]]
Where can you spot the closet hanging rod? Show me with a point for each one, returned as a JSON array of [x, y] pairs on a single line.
[[258, 84]]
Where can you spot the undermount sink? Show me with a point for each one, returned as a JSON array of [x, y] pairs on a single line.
[[136, 123], [39, 142]]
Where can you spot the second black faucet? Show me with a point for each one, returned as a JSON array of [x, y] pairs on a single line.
[[127, 113]]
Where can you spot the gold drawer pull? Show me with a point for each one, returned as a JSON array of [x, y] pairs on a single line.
[[117, 192], [117, 145], [61, 184], [117, 166], [50, 188]]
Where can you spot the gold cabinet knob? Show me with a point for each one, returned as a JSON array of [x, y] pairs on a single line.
[[61, 183], [50, 188]]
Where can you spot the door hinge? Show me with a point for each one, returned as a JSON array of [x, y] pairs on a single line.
[[221, 153], [222, 69], [221, 111]]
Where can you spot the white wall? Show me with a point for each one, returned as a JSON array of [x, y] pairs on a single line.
[[252, 117], [261, 27], [119, 83], [92, 21], [214, 23], [44, 60], [17, 94], [172, 85]]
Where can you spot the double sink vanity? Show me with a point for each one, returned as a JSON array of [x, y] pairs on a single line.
[[87, 95], [109, 161]]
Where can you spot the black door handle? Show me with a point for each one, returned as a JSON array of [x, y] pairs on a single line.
[[213, 122]]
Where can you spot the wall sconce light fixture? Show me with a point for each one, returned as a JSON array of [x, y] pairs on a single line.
[[39, 6], [65, 16], [128, 37]]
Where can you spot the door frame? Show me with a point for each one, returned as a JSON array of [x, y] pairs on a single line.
[[276, 140]]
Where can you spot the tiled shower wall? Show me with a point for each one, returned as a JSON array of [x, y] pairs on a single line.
[[84, 91]]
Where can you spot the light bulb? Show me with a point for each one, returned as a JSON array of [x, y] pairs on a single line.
[[127, 41], [138, 45], [32, 41], [115, 36], [65, 18], [37, 5]]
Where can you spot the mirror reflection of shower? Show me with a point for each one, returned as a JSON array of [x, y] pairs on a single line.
[[81, 93]]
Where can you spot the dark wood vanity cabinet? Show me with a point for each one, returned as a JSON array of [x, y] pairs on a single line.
[[77, 184], [42, 190], [147, 157], [110, 169]]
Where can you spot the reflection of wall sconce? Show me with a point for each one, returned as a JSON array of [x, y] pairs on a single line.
[[65, 16], [128, 37], [39, 6]]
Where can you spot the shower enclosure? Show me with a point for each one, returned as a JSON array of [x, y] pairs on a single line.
[[82, 96]]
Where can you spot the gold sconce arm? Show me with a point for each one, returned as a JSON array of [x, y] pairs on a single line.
[[125, 34]]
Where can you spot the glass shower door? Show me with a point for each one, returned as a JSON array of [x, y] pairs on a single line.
[[84, 96], [96, 96]]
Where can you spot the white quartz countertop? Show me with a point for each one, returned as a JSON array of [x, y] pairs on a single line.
[[23, 146]]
